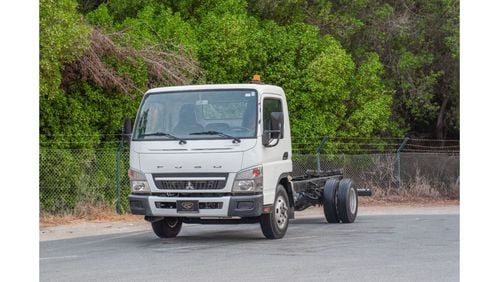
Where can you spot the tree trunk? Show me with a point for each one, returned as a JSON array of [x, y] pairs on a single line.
[[440, 126]]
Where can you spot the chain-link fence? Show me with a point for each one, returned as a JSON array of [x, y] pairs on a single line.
[[71, 179], [439, 170]]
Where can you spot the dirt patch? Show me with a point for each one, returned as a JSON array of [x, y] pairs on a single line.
[[395, 201], [88, 214], [92, 228]]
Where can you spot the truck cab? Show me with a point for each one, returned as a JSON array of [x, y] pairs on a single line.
[[212, 154]]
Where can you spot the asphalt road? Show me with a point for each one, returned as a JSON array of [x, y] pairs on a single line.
[[377, 247]]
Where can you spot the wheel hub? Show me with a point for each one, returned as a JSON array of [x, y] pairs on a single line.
[[352, 201], [280, 212], [172, 223]]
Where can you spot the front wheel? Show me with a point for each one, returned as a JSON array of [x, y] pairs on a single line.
[[275, 224], [167, 227]]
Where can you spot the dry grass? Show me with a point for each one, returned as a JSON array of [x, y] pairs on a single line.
[[399, 201], [84, 213], [419, 191]]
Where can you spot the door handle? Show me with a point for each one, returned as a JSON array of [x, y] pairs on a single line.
[[285, 156]]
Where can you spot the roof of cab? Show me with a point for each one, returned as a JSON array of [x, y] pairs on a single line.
[[262, 88]]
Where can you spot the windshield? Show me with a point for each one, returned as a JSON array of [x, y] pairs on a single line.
[[211, 114]]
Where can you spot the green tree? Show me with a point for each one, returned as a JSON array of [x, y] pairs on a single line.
[[63, 37], [416, 41], [349, 68], [342, 100], [226, 36]]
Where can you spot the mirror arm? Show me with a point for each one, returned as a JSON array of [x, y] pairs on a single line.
[[269, 132]]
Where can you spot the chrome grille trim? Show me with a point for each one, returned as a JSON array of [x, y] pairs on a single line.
[[190, 181]]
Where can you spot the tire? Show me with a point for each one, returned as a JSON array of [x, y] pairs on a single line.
[[167, 227], [330, 200], [275, 224], [347, 201]]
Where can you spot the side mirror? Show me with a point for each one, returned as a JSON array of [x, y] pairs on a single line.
[[276, 131], [277, 124], [127, 127]]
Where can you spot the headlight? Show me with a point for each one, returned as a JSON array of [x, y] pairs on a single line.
[[138, 182], [248, 180]]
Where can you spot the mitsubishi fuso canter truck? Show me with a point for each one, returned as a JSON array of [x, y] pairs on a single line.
[[223, 154]]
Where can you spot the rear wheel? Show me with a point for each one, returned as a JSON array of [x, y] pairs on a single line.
[[347, 201], [275, 224], [167, 227], [330, 200]]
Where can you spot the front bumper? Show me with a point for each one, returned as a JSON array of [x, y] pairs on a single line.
[[230, 206]]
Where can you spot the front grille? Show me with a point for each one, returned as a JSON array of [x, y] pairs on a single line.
[[190, 184], [211, 181]]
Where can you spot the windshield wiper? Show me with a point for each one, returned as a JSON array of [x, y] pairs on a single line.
[[181, 141], [235, 139]]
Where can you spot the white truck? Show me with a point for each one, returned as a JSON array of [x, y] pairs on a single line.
[[223, 154]]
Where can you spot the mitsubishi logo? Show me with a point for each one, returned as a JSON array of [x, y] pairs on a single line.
[[189, 186]]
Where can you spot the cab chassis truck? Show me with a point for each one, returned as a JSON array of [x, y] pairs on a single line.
[[221, 154]]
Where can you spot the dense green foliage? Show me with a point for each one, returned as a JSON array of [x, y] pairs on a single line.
[[417, 42], [350, 68]]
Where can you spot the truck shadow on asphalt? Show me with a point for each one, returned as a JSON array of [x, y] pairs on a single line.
[[243, 232], [216, 236], [308, 220], [196, 233]]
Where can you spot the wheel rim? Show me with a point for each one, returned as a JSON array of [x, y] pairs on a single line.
[[280, 212], [352, 201]]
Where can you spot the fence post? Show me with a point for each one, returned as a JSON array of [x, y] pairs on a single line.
[[398, 158], [318, 150], [118, 176]]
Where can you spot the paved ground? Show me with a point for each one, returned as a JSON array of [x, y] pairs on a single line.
[[384, 244]]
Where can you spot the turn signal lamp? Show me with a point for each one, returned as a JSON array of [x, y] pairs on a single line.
[[256, 172]]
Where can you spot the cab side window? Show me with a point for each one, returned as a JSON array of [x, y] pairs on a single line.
[[271, 105]]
